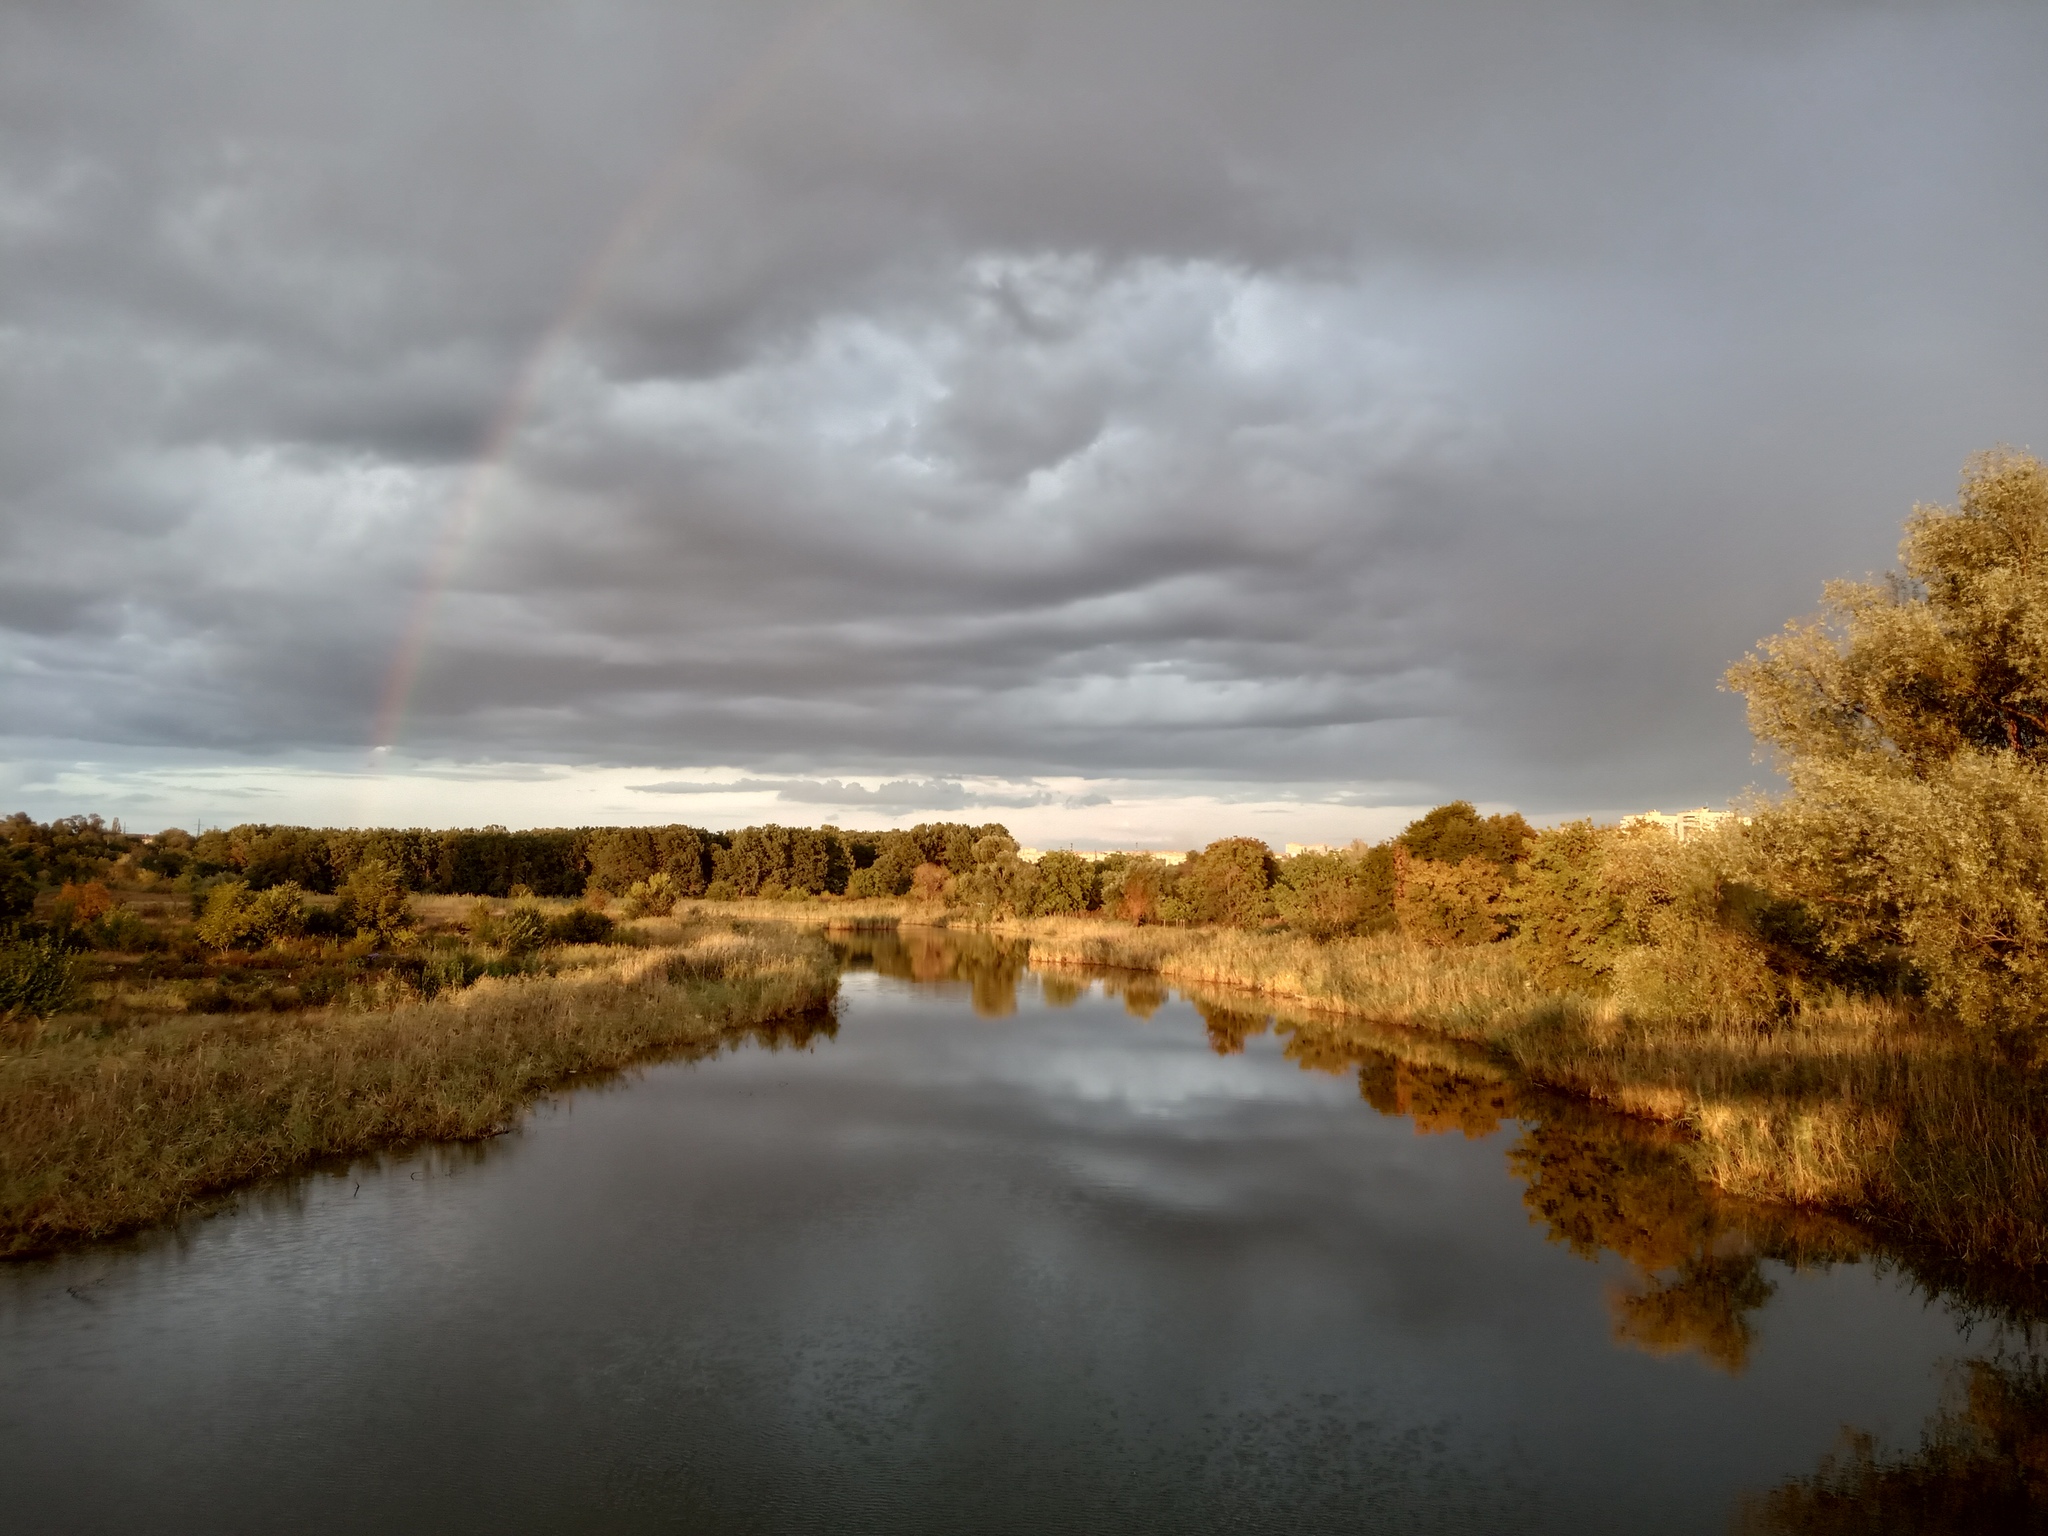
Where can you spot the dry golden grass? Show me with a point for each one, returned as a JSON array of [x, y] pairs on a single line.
[[99, 1133], [1853, 1104], [1452, 989]]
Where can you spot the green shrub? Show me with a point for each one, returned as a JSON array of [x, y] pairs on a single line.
[[448, 970], [17, 886], [523, 929], [1571, 923], [227, 921], [654, 896], [122, 929], [373, 902], [237, 918], [325, 922], [579, 925], [35, 979], [280, 912]]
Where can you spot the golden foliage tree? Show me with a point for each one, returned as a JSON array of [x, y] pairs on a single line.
[[1911, 718], [1446, 904]]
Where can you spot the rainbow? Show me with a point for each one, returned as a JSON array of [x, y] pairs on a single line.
[[748, 90]]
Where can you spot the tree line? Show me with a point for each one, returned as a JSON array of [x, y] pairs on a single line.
[[758, 861]]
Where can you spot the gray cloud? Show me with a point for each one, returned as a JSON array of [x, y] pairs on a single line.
[[895, 796], [1238, 393]]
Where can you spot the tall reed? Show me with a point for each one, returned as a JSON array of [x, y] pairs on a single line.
[[1858, 1105], [103, 1132]]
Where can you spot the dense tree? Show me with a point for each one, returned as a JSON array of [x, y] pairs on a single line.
[[621, 856], [1227, 882], [1570, 921], [928, 882], [1449, 904], [277, 855], [1452, 833], [1327, 895], [778, 861], [1911, 719], [1140, 884], [1067, 883], [70, 848], [997, 882]]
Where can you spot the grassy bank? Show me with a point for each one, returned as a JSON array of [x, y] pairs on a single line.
[[105, 1128], [1858, 1106]]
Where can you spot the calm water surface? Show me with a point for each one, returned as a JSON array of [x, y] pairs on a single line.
[[1002, 1253]]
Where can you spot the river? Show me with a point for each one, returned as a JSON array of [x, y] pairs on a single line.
[[990, 1251]]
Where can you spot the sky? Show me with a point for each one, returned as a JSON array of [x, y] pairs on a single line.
[[1134, 422]]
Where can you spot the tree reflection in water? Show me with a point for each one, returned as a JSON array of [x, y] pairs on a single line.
[[1597, 1182], [1982, 1468], [988, 967], [1601, 1183]]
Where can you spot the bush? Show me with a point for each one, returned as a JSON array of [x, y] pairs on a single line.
[[447, 970], [224, 922], [523, 929], [579, 925], [87, 902], [1570, 921], [1664, 925], [124, 930], [280, 912], [35, 979], [236, 918], [655, 896], [373, 902], [17, 886], [325, 923]]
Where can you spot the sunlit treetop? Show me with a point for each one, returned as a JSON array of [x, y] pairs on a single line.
[[1947, 656]]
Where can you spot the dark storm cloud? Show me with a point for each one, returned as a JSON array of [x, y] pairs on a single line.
[[1290, 393]]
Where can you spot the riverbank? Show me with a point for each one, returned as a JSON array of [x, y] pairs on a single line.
[[108, 1125], [1858, 1106]]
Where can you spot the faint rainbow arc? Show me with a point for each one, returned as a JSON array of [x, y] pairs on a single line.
[[726, 112]]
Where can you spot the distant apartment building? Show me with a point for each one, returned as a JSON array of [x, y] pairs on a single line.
[[1296, 850], [1682, 824]]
